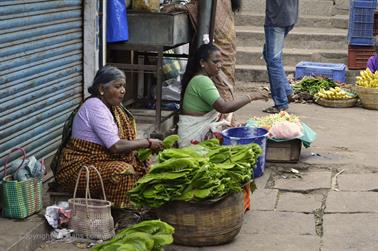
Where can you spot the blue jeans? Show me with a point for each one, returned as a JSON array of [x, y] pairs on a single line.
[[274, 42]]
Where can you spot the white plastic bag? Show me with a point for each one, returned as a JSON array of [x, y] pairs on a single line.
[[286, 130]]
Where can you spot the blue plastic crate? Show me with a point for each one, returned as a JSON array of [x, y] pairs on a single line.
[[361, 22], [336, 72]]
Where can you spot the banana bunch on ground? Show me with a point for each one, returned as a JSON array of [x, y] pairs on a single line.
[[334, 93], [367, 79]]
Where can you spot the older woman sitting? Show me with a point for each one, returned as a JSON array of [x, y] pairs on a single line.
[[101, 132]]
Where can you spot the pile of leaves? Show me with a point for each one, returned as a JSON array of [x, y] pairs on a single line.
[[306, 88], [196, 173], [150, 235]]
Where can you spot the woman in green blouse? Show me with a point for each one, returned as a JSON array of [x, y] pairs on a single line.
[[202, 104]]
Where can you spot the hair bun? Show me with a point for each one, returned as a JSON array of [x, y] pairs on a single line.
[[91, 90]]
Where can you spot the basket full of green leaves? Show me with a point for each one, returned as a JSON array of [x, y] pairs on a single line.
[[192, 188]]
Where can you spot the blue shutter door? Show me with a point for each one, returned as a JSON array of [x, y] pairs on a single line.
[[41, 72]]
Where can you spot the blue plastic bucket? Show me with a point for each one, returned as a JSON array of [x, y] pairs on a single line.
[[248, 135]]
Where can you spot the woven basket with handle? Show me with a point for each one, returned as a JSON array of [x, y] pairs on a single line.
[[20, 199], [91, 218]]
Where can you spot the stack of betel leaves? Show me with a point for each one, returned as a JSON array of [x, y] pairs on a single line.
[[150, 235], [197, 173]]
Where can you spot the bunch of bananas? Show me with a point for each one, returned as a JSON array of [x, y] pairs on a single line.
[[367, 79], [334, 93]]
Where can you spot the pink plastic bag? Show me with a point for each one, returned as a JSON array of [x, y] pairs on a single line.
[[286, 130]]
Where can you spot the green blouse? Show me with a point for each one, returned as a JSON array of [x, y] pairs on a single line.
[[200, 95]]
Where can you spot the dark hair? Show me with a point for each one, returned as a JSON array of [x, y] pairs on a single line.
[[194, 64], [235, 5], [105, 75]]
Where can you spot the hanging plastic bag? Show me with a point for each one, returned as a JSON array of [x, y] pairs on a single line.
[[117, 29]]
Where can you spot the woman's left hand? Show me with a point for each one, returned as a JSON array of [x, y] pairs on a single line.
[[156, 145], [261, 94]]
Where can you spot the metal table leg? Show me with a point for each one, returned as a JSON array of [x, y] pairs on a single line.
[[158, 91]]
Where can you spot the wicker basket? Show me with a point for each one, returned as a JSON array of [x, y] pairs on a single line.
[[91, 217], [368, 97], [337, 103], [204, 224], [20, 199]]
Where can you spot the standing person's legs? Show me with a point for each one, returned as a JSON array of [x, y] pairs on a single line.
[[280, 88]]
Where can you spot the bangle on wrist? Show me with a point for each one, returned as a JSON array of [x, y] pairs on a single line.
[[250, 98], [149, 143]]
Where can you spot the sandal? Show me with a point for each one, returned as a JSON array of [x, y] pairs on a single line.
[[273, 110]]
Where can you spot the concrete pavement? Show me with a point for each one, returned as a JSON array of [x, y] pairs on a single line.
[[321, 208]]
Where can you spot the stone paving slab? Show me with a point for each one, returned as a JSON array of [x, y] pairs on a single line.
[[59, 246], [263, 242], [284, 223], [358, 182], [309, 181], [25, 234], [264, 199], [350, 232], [352, 202], [180, 248], [297, 202], [262, 180]]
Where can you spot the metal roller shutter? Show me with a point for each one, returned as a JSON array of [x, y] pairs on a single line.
[[41, 72]]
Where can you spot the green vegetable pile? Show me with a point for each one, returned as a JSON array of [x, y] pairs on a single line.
[[168, 142], [145, 236], [313, 85], [196, 173]]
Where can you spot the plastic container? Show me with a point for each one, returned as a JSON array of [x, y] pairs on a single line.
[[358, 56], [361, 22], [248, 135], [336, 72]]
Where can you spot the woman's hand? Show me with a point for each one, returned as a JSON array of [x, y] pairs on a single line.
[[261, 94], [156, 145]]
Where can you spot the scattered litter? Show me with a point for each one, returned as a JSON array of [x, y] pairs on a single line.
[[315, 154], [59, 234], [58, 215], [283, 176], [334, 181], [294, 170], [91, 244], [81, 245]]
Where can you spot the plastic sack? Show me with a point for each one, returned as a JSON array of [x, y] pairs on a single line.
[[286, 130], [147, 5], [171, 90], [171, 67], [117, 29]]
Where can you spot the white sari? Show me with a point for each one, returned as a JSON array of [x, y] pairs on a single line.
[[195, 128]]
